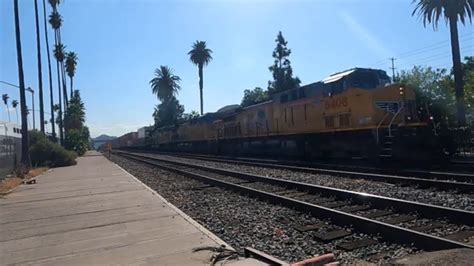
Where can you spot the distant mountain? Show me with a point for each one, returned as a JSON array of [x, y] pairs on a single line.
[[103, 137]]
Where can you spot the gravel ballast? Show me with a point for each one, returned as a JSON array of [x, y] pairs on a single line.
[[451, 199], [242, 221]]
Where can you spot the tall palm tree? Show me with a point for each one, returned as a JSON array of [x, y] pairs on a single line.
[[40, 74], [55, 20], [59, 55], [51, 94], [5, 98], [15, 105], [71, 62], [165, 84], [200, 55], [57, 30], [452, 10], [25, 157]]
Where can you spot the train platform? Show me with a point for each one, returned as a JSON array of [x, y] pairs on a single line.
[[96, 213]]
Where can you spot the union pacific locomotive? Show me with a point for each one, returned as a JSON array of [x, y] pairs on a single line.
[[354, 113]]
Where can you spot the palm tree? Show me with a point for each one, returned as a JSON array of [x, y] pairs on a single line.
[[40, 75], [165, 84], [60, 55], [452, 10], [57, 30], [5, 98], [14, 105], [200, 55], [71, 62], [25, 157], [55, 20], [51, 94]]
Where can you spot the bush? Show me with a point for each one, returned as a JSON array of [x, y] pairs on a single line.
[[44, 152], [76, 141]]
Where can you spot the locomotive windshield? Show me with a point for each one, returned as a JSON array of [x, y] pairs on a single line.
[[356, 78], [365, 80]]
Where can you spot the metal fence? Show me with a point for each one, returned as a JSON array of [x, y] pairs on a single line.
[[10, 149]]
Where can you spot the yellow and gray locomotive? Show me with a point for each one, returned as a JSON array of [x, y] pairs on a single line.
[[354, 113]]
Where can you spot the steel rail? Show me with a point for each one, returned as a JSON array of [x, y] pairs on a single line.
[[384, 230], [458, 176], [427, 210], [394, 179]]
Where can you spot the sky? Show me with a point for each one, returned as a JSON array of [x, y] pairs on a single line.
[[121, 42]]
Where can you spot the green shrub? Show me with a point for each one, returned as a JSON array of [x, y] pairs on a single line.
[[44, 152], [76, 141]]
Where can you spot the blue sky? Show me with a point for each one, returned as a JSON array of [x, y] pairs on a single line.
[[121, 42]]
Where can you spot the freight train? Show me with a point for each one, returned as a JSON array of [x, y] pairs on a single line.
[[356, 113]]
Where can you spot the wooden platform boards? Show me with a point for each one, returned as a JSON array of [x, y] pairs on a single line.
[[96, 213]]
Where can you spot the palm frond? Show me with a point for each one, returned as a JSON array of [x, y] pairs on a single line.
[[59, 52], [200, 54], [165, 84], [432, 10], [5, 98], [55, 20], [71, 62]]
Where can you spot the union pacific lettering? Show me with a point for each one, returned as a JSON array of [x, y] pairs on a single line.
[[335, 103]]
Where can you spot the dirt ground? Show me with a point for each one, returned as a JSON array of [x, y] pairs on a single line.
[[12, 182]]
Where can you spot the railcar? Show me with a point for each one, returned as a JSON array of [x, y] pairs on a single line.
[[356, 113]]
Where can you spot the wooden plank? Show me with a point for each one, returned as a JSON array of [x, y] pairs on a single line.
[[309, 227], [331, 235], [351, 245], [95, 213]]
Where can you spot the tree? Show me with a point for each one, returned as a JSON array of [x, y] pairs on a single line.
[[14, 105], [77, 135], [5, 98], [50, 76], [468, 74], [165, 84], [190, 116], [254, 96], [281, 69], [40, 75], [25, 158], [56, 17], [60, 55], [55, 20], [200, 55], [168, 113], [71, 62], [74, 116], [434, 94], [452, 10]]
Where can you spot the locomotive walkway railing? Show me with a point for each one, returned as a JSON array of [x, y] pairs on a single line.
[[380, 124]]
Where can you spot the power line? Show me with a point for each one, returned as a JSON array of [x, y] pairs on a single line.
[[440, 55], [435, 46], [435, 57], [442, 43], [432, 49]]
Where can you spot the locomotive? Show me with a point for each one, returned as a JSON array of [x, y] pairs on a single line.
[[357, 113]]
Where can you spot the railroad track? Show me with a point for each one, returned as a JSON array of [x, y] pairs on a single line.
[[321, 167], [465, 186], [425, 226]]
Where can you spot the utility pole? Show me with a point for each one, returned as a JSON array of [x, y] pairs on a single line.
[[393, 68], [33, 104]]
